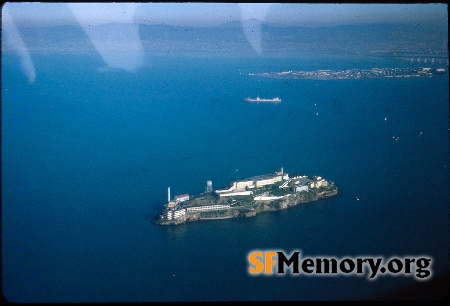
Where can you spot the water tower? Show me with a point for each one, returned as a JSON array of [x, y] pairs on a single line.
[[208, 186]]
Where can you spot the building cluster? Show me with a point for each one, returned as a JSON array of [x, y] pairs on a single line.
[[174, 214], [242, 187], [356, 73], [319, 182], [174, 211], [303, 183]]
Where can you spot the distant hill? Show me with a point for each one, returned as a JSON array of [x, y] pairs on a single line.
[[249, 22], [229, 37]]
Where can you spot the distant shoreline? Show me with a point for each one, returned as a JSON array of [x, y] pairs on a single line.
[[354, 74]]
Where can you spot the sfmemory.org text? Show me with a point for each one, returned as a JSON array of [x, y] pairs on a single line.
[[274, 262]]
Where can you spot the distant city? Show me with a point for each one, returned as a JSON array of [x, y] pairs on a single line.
[[354, 73]]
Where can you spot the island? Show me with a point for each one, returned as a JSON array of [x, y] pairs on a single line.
[[351, 74], [246, 198]]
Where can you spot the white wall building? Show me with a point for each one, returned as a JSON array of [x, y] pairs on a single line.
[[263, 181], [319, 183], [179, 213], [182, 198], [207, 207], [239, 193], [256, 181], [174, 214], [242, 184], [261, 198], [301, 188]]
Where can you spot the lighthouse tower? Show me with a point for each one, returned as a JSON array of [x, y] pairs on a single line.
[[168, 194]]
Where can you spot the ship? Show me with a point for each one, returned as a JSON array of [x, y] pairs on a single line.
[[258, 99]]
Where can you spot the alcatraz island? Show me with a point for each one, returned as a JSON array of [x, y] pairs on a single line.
[[246, 198]]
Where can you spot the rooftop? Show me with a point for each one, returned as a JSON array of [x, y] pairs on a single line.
[[260, 177], [303, 180], [171, 204]]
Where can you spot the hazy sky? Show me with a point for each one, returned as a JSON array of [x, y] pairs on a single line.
[[201, 14]]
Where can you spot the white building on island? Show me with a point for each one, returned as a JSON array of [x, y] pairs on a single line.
[[182, 197], [207, 207], [301, 188], [174, 214], [255, 182]]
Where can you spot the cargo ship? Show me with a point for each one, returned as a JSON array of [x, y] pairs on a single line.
[[258, 99]]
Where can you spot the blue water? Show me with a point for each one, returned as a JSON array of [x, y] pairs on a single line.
[[88, 154]]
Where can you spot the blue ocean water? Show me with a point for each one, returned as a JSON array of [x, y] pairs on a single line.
[[88, 154]]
